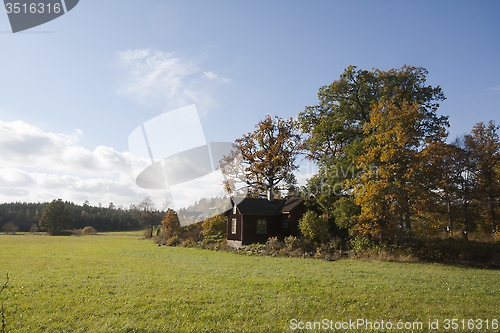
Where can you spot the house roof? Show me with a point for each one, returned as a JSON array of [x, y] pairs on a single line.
[[259, 206]]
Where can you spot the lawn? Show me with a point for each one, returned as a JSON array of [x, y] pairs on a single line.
[[113, 283]]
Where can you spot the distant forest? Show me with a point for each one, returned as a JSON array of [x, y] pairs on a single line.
[[111, 218]]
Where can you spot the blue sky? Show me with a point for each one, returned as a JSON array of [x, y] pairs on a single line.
[[73, 89]]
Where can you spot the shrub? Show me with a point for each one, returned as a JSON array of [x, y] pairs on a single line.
[[273, 244], [314, 227], [214, 226], [10, 228], [34, 228], [171, 224], [293, 243], [89, 231], [172, 241], [77, 232], [361, 244]]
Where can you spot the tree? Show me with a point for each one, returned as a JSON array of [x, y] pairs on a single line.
[[171, 224], [396, 135], [268, 158], [443, 176], [314, 227], [214, 226], [484, 144], [56, 217], [337, 129], [10, 228], [147, 215], [333, 127]]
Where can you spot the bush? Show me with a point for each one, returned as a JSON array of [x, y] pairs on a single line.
[[10, 228], [214, 226], [361, 244], [172, 241], [89, 231], [147, 233], [273, 244], [293, 243], [314, 227], [171, 224], [34, 228]]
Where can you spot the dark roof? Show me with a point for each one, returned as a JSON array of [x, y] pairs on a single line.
[[259, 206], [291, 204]]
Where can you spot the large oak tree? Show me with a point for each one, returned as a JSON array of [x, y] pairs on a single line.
[[264, 159]]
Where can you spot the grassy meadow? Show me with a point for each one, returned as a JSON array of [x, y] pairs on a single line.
[[120, 283]]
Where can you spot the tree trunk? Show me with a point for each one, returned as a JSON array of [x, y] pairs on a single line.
[[466, 229], [450, 224]]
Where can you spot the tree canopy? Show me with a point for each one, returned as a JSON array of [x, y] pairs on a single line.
[[268, 157], [56, 217], [367, 135]]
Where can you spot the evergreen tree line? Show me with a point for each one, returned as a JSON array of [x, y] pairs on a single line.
[[24, 215]]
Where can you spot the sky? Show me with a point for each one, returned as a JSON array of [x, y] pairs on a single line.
[[73, 90]]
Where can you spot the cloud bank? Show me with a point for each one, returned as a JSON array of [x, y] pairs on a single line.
[[40, 166]]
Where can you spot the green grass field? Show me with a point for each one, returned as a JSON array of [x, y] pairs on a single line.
[[112, 283]]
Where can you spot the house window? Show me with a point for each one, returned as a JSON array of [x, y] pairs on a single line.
[[233, 226], [262, 226], [285, 224], [234, 210]]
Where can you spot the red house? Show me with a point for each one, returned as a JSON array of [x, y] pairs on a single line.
[[255, 220]]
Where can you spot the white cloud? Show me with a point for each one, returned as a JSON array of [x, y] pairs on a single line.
[[159, 79], [212, 76], [40, 166]]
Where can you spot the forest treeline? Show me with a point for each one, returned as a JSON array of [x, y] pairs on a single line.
[[23, 216]]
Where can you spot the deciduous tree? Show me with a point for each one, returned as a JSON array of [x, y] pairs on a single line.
[[335, 129], [268, 157], [483, 143], [171, 224], [56, 217]]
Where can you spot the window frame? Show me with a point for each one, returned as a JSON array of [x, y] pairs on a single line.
[[234, 223], [259, 223]]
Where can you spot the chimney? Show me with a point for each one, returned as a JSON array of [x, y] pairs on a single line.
[[270, 193]]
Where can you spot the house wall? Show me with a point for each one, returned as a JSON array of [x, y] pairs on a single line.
[[239, 219], [250, 228], [246, 227]]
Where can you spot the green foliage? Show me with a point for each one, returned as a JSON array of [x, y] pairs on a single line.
[[345, 212], [24, 215], [360, 244], [350, 119], [293, 243], [56, 217], [314, 227], [215, 226]]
